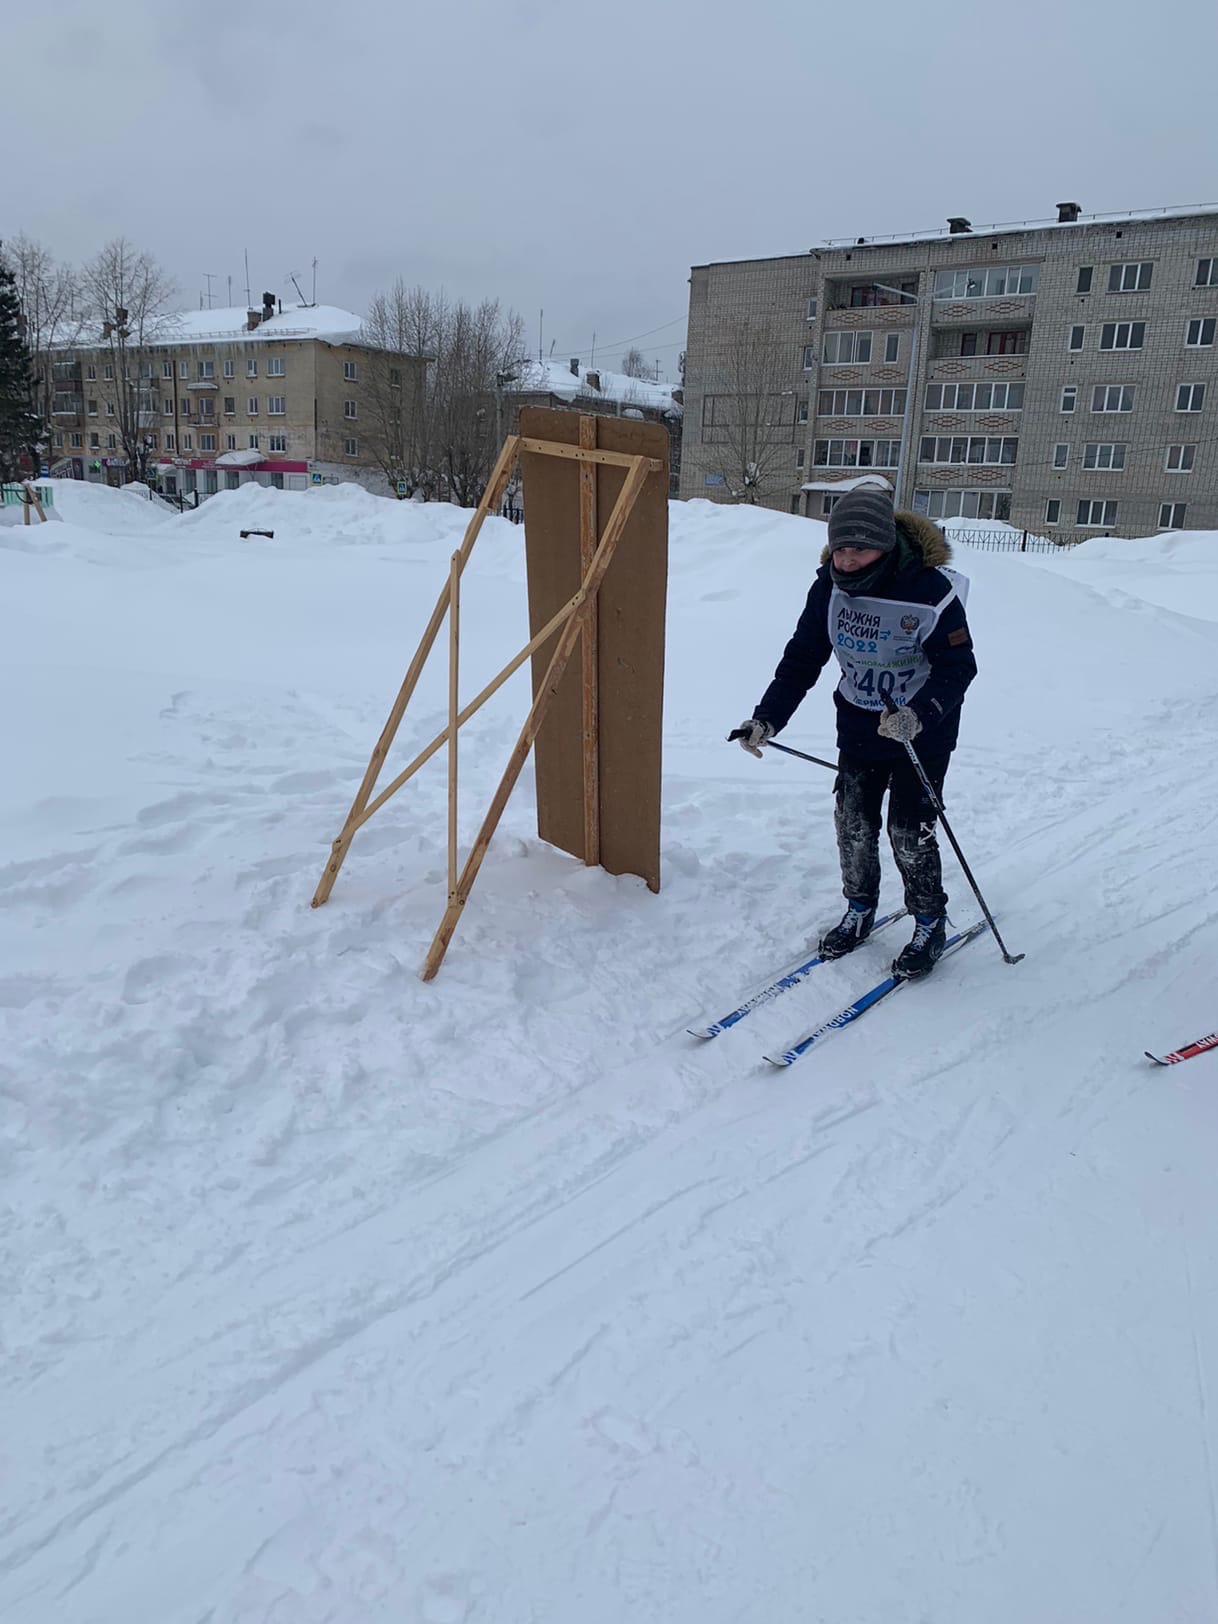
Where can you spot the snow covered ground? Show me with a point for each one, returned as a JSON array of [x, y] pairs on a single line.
[[331, 1297]]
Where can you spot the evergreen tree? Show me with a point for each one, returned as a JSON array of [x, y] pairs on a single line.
[[20, 426]]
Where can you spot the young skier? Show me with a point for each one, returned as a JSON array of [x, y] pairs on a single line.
[[884, 605]]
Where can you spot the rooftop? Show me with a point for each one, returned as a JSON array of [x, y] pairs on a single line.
[[327, 323], [1177, 211]]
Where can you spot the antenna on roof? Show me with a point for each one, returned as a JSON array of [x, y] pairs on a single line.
[[314, 279], [247, 278], [296, 285], [211, 277]]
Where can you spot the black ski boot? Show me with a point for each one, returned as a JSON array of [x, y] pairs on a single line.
[[855, 927], [925, 950]]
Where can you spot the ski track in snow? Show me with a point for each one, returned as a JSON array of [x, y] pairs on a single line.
[[334, 1296]]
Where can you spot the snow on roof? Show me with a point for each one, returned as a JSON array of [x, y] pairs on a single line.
[[1180, 211], [328, 323], [556, 378], [844, 485]]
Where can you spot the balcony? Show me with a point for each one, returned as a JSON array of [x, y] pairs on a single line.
[[962, 368], [874, 318], [1000, 310], [195, 384], [67, 406]]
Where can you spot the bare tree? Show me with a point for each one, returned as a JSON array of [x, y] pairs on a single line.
[[746, 410], [403, 325], [634, 365], [479, 347], [129, 295], [53, 313]]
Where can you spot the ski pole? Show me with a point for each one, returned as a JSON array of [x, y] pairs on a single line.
[[739, 733], [936, 801]]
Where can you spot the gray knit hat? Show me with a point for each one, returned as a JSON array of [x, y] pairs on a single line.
[[863, 518]]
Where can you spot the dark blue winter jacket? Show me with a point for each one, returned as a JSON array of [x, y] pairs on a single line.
[[906, 637]]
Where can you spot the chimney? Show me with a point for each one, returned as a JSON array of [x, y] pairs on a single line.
[[575, 366], [1068, 213], [958, 225], [593, 380], [268, 306], [252, 318]]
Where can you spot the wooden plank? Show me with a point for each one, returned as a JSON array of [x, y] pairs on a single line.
[[589, 674], [454, 648], [491, 497], [575, 453], [600, 563]]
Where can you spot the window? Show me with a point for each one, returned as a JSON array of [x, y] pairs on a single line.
[[987, 281], [1092, 515], [251, 406], [166, 369], [968, 344], [1129, 278], [1069, 397], [77, 438], [230, 405], [207, 442], [809, 357], [801, 412], [278, 442], [188, 442], [109, 408], [829, 501], [167, 407], [1122, 335], [857, 453], [1077, 335], [801, 457], [92, 408], [94, 440], [350, 409], [811, 309], [1013, 343], [977, 448], [232, 482], [251, 369], [963, 504], [1180, 458], [350, 371], [57, 439], [274, 366], [275, 405], [860, 403], [843, 348], [228, 369], [1053, 510], [186, 406], [91, 374], [184, 369], [1106, 456], [1190, 397], [1171, 516], [351, 447], [111, 442], [867, 295], [207, 408], [253, 442], [1112, 397], [108, 372], [1061, 456], [1207, 274], [1084, 279], [395, 376], [230, 442], [169, 441], [1200, 335], [207, 371], [892, 346]]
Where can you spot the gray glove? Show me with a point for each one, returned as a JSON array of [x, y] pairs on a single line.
[[901, 726], [753, 734]]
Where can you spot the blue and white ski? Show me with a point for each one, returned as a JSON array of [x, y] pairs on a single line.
[[854, 1011], [773, 989]]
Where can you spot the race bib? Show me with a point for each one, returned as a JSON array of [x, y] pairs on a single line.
[[878, 643]]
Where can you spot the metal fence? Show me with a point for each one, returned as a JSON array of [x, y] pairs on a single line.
[[1010, 541]]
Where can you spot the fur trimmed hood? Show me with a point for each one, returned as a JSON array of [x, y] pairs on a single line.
[[921, 536]]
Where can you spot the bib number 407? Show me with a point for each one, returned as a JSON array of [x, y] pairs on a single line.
[[883, 682]]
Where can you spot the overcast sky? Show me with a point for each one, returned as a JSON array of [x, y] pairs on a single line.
[[578, 156]]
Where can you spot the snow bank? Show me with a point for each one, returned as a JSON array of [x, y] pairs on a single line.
[[334, 1296]]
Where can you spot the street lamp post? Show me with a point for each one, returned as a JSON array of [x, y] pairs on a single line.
[[903, 476]]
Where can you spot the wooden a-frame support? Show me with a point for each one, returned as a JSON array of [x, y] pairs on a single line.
[[575, 620]]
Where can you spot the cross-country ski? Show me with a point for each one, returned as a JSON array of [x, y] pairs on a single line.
[[1188, 1051]]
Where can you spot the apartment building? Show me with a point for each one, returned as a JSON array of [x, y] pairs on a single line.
[[1059, 375], [223, 397]]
